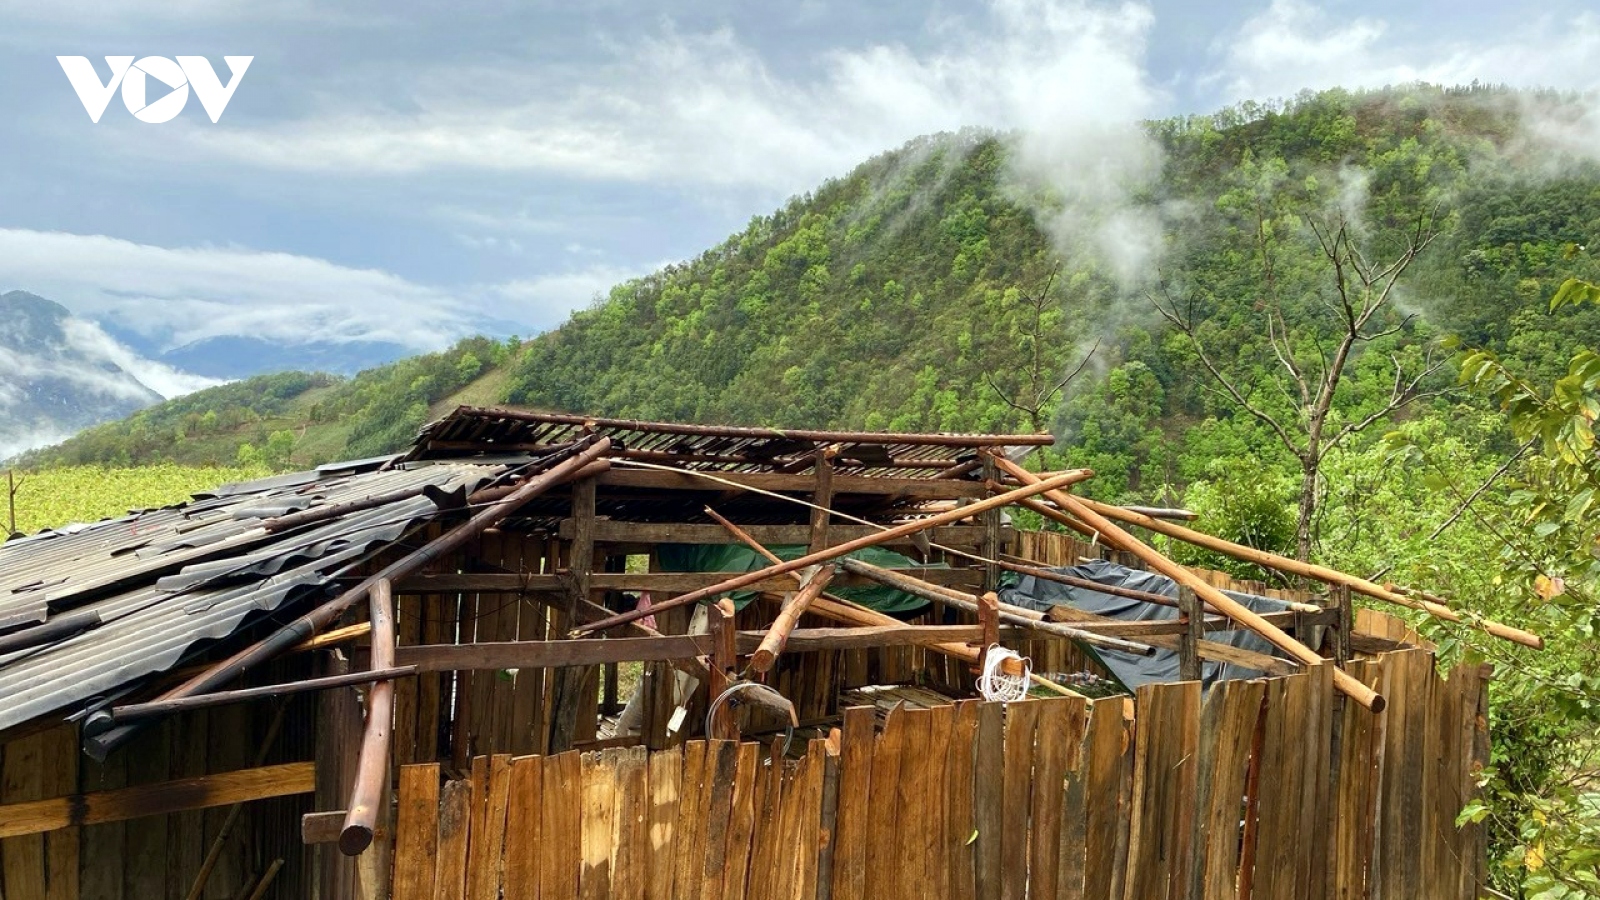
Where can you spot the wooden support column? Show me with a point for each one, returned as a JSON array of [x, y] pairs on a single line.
[[570, 680], [1340, 595], [724, 661], [823, 497], [989, 618], [991, 532], [1193, 612]]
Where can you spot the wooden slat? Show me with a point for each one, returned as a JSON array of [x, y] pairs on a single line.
[[935, 867], [455, 827], [883, 843], [524, 815], [690, 852], [666, 776], [911, 488], [1049, 786], [988, 799], [1070, 858], [614, 532], [630, 859], [1105, 773], [909, 814], [156, 799], [488, 837], [855, 781], [736, 867], [1022, 718], [599, 805], [959, 821], [721, 761], [561, 795], [1161, 834], [417, 833], [664, 582], [1228, 724]]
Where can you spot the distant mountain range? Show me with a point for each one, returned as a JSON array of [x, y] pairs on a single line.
[[59, 374]]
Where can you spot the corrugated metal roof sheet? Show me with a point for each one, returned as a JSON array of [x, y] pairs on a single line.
[[153, 584]]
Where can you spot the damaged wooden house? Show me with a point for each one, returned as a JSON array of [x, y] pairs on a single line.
[[553, 656]]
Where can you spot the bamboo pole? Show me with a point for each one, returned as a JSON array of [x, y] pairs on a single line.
[[1219, 601], [838, 550], [841, 610], [778, 635], [1421, 602], [1011, 615], [372, 766]]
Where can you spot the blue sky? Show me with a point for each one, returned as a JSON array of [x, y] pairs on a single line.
[[409, 173]]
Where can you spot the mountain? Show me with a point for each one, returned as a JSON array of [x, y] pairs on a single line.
[[58, 374], [939, 286]]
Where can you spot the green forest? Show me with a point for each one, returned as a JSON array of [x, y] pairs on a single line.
[[1367, 336]]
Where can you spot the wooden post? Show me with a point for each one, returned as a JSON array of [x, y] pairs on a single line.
[[1340, 594], [991, 532], [823, 497], [724, 658], [989, 618], [1193, 611], [570, 680]]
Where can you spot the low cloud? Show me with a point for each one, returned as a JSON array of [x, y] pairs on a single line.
[[91, 340], [548, 299], [1295, 45]]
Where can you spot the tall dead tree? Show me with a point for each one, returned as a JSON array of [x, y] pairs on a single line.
[[1311, 359]]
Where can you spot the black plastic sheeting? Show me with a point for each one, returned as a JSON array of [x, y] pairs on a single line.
[[1133, 671]]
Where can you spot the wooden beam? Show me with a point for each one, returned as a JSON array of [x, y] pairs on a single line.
[[372, 766], [182, 795], [655, 582], [1214, 650], [772, 644], [609, 531], [866, 485]]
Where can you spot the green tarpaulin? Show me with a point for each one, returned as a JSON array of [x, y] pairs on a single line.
[[739, 558]]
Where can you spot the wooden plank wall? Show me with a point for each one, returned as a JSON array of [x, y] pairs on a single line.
[[157, 856], [1272, 787]]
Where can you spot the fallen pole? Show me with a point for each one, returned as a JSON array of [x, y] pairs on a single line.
[[372, 765], [1421, 602], [319, 618], [133, 712], [778, 635], [838, 550], [1013, 615], [1233, 609]]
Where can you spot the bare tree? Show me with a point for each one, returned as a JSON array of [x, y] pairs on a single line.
[[1308, 370], [1039, 386]]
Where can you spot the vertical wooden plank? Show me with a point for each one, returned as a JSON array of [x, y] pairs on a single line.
[[1070, 856], [764, 840], [810, 816], [527, 686], [631, 826], [104, 847], [666, 776], [959, 823], [988, 799], [524, 815], [489, 828], [408, 630], [599, 801], [1106, 820], [741, 822], [147, 846], [1049, 785], [909, 810], [1228, 726], [431, 701], [932, 821], [455, 827], [883, 844], [721, 761], [1022, 719], [1312, 863], [830, 815], [61, 847], [691, 822], [417, 833], [561, 797]]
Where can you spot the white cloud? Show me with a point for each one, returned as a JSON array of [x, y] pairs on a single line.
[[90, 339], [1295, 45], [192, 293], [706, 109], [548, 298]]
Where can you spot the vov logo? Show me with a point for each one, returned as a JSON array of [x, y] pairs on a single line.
[[134, 78]]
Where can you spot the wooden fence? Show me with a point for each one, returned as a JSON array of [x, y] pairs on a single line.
[[1264, 789]]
